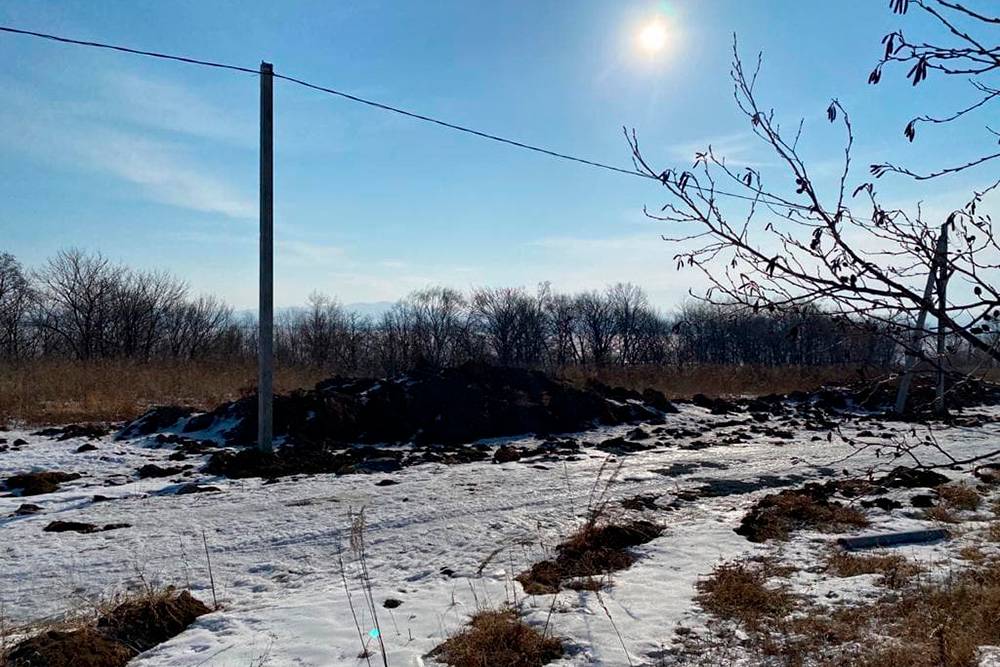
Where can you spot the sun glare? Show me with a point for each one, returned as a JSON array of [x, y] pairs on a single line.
[[653, 37]]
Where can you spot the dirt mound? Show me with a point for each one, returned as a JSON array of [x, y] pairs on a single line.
[[812, 506], [92, 431], [81, 527], [861, 396], [154, 420], [964, 393], [151, 470], [298, 460], [445, 406], [132, 627], [37, 483], [593, 551], [776, 515], [69, 648], [143, 623], [902, 477]]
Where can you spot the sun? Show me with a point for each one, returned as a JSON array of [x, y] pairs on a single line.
[[653, 37]]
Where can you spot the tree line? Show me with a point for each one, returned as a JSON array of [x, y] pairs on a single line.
[[82, 306]]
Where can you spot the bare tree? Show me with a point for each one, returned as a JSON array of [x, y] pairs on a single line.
[[440, 319], [498, 314], [76, 292], [84, 307], [969, 49], [629, 307], [561, 317], [765, 246], [194, 329], [16, 298], [141, 302], [596, 326]]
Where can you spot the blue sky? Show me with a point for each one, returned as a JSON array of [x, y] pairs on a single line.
[[155, 164]]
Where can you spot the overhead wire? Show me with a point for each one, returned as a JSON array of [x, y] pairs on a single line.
[[393, 109]]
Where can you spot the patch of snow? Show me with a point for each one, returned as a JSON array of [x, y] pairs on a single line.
[[274, 547]]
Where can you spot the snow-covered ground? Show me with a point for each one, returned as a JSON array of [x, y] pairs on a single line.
[[440, 539]]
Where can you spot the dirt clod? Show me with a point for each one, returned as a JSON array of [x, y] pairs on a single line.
[[777, 515], [153, 420], [81, 527], [85, 647], [145, 622], [593, 551], [151, 470], [37, 483], [91, 431], [27, 509], [506, 454]]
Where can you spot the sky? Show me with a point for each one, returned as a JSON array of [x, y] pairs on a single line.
[[154, 164]]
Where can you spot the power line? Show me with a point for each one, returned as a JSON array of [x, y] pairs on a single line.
[[125, 49], [460, 128], [386, 107], [332, 91]]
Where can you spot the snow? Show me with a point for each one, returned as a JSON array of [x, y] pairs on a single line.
[[275, 548]]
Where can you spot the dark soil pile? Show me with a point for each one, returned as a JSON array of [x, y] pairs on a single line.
[[92, 431], [304, 459], [37, 483], [121, 634], [81, 527], [593, 551], [443, 406], [146, 622], [864, 395], [85, 647], [812, 506], [964, 393], [777, 515], [154, 420]]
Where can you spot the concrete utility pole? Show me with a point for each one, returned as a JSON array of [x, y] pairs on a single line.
[[265, 315], [942, 304], [938, 265]]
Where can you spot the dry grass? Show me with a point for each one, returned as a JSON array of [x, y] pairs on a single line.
[[777, 515], [60, 391], [993, 532], [895, 569], [498, 638], [945, 623], [116, 631], [740, 592], [716, 379], [942, 514], [971, 552], [55, 392], [959, 496], [926, 624]]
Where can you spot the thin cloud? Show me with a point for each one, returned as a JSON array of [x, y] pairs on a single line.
[[166, 105], [166, 177], [163, 171]]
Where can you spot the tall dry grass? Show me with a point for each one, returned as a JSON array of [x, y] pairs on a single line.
[[718, 379], [60, 391]]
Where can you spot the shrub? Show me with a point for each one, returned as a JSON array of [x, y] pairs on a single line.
[[498, 638]]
